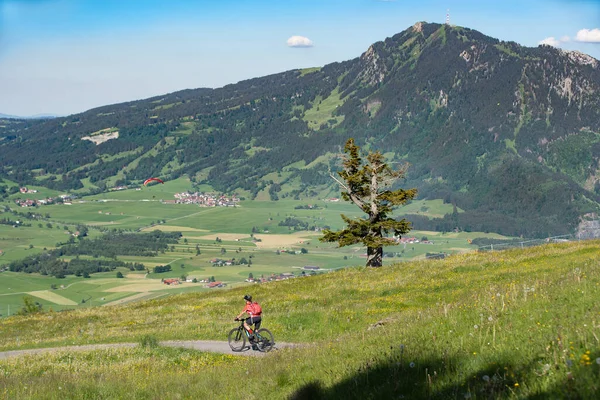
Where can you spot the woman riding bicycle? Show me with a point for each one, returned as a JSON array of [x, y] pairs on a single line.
[[254, 311]]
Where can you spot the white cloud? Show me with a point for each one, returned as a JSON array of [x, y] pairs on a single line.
[[565, 39], [299, 41], [550, 41], [588, 35]]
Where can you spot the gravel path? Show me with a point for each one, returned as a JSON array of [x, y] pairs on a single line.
[[202, 345]]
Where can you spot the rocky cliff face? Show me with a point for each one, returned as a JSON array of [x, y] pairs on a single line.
[[589, 227]]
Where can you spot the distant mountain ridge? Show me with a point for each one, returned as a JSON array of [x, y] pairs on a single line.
[[37, 116], [507, 133]]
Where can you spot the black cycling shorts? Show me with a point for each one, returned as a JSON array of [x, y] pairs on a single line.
[[254, 320]]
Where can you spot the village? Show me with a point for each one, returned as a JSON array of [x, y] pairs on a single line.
[[63, 198], [412, 240], [199, 198], [211, 282], [204, 199]]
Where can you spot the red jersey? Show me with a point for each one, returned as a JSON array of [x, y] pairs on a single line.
[[253, 309]]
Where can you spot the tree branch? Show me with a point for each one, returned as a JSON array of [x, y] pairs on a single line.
[[352, 196]]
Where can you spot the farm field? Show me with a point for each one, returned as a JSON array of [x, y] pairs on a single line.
[[251, 232]]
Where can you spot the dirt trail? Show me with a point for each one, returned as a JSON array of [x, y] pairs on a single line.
[[202, 345]]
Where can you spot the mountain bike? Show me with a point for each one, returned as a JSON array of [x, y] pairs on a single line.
[[263, 339]]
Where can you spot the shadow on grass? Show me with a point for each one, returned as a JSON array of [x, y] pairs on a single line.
[[442, 378]]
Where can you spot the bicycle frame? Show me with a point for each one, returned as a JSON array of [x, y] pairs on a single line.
[[242, 327], [263, 342]]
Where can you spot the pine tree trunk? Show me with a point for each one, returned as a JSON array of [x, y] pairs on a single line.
[[374, 256]]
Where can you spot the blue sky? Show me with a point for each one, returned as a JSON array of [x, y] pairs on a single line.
[[67, 56]]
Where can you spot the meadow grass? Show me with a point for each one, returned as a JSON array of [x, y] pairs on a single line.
[[514, 324], [322, 110]]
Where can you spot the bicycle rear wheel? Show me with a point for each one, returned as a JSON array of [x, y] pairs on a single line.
[[237, 339], [265, 340]]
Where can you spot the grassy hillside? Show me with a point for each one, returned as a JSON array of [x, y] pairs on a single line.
[[515, 324]]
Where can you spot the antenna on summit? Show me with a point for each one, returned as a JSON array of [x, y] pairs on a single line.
[[448, 17]]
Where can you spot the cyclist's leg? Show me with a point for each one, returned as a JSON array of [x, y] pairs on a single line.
[[248, 326], [249, 322]]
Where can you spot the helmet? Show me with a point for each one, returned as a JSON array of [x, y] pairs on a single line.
[[248, 297]]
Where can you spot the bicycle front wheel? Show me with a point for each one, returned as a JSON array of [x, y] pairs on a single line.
[[237, 339], [265, 340]]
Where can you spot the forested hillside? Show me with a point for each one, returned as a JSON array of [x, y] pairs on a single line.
[[507, 133]]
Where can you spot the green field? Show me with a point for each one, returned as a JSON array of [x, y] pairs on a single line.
[[143, 209]]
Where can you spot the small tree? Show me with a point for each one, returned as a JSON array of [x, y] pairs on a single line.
[[367, 185], [120, 274], [30, 306]]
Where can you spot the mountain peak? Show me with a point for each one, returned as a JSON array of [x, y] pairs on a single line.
[[580, 58], [418, 27]]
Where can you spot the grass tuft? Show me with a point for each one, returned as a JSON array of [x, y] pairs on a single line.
[[149, 341]]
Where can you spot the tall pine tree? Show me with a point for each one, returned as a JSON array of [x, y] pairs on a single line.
[[368, 187]]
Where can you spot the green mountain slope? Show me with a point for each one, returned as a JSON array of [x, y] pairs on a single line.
[[508, 133]]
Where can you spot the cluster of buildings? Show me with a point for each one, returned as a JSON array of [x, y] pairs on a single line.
[[211, 283], [285, 275], [204, 199], [64, 198], [273, 277], [218, 262], [177, 281], [28, 202], [411, 240]]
